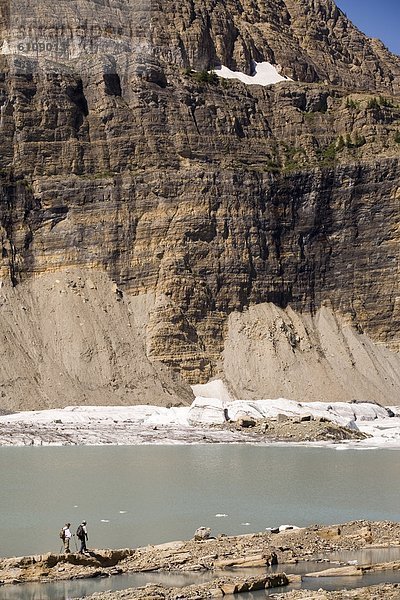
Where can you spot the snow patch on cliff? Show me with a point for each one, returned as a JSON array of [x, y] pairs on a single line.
[[264, 74]]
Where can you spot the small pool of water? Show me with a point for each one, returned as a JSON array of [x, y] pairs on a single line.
[[332, 584], [66, 590], [368, 556]]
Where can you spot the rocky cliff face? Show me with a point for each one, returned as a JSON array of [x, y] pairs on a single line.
[[311, 41], [208, 194]]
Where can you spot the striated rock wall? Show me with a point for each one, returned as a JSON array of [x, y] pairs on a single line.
[[208, 240], [211, 196], [311, 41]]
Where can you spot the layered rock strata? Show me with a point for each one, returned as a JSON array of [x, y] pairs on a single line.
[[212, 196], [310, 41]]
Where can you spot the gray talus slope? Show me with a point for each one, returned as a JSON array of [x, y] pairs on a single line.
[[270, 352], [68, 338], [72, 337]]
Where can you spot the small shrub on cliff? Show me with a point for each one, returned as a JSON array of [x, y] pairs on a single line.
[[380, 102], [27, 185], [206, 77], [351, 104], [385, 102], [356, 142], [373, 104], [293, 157], [340, 143], [397, 137], [328, 154], [225, 83], [272, 166]]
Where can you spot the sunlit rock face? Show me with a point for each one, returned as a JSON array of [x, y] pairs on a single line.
[[311, 41], [120, 153]]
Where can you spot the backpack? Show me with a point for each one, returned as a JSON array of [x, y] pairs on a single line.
[[62, 533], [80, 533]]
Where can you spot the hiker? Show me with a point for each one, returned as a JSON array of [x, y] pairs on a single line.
[[82, 535], [65, 535]]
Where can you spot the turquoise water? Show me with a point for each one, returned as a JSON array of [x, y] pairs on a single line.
[[133, 496]]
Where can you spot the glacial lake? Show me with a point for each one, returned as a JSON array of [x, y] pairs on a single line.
[[137, 495]]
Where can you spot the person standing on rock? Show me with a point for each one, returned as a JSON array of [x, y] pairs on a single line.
[[66, 535], [82, 536]]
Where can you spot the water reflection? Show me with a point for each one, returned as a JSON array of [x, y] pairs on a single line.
[[66, 590], [332, 584], [368, 556]]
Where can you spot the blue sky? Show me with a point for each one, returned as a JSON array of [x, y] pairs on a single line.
[[376, 18]]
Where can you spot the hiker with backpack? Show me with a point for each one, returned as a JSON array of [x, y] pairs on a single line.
[[82, 535], [65, 535]]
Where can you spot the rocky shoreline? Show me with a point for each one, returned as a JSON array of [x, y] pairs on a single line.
[[376, 592], [236, 563], [216, 590], [294, 430]]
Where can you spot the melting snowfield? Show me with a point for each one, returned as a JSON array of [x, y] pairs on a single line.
[[264, 74], [199, 423]]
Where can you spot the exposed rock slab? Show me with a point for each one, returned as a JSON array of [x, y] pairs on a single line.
[[214, 554], [355, 570], [216, 589], [385, 591]]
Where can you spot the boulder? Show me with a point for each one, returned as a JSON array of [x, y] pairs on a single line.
[[278, 580], [245, 421], [282, 418], [202, 533], [307, 417], [228, 588], [240, 409]]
